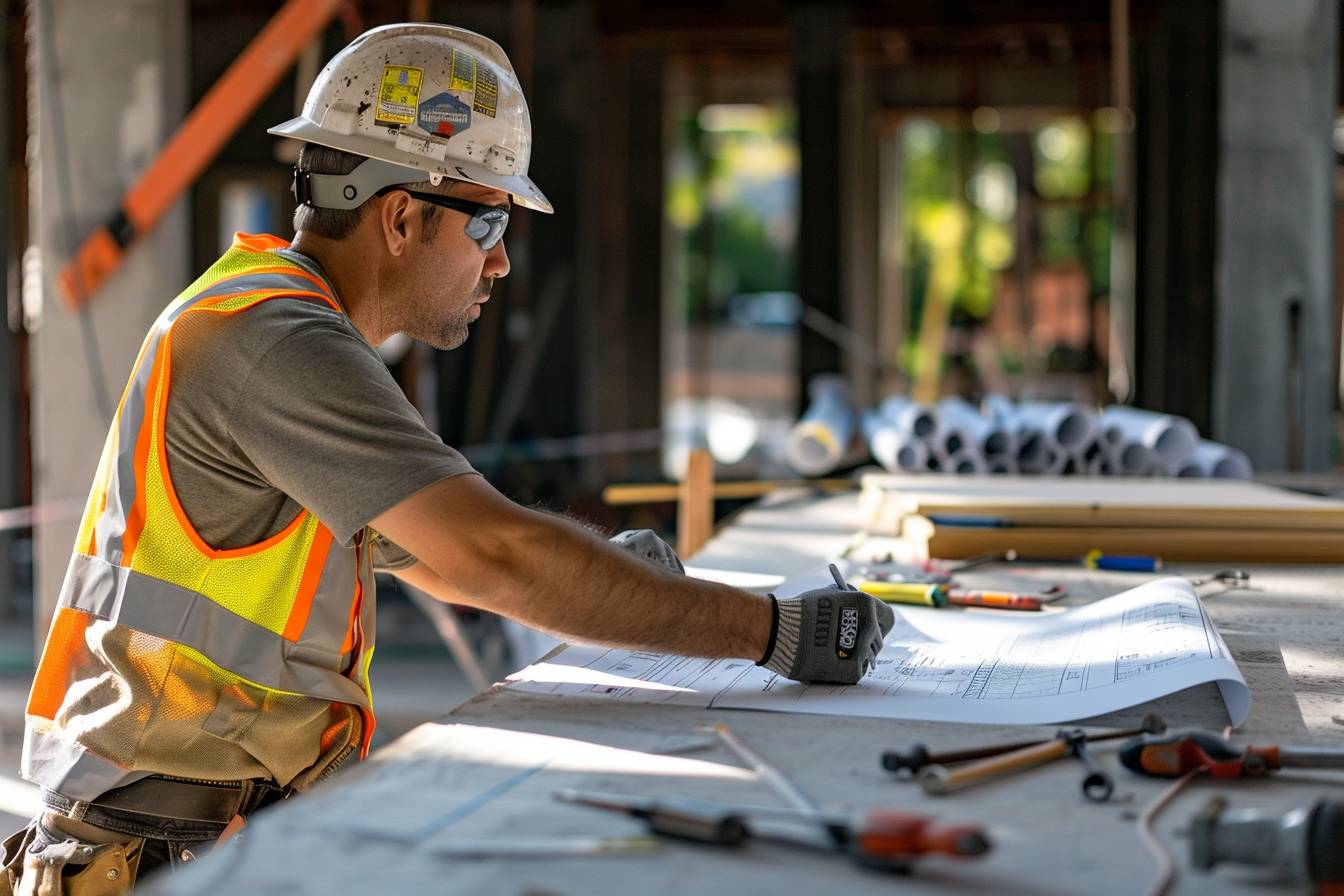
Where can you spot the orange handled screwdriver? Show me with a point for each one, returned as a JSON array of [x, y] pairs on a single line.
[[879, 838], [1173, 754]]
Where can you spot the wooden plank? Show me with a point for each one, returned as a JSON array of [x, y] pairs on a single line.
[[695, 503], [1066, 501], [655, 492], [1063, 542]]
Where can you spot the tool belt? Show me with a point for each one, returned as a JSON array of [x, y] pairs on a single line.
[[161, 806]]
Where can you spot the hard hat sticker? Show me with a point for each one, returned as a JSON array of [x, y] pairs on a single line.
[[487, 92], [462, 73], [398, 95], [422, 146], [445, 114]]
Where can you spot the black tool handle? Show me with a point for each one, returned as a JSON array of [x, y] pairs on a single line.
[[911, 760]]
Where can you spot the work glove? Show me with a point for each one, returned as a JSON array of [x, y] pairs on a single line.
[[828, 635], [643, 543]]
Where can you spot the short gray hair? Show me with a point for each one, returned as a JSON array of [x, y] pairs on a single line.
[[339, 223]]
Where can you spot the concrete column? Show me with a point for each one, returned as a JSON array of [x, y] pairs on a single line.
[[1272, 360], [108, 84]]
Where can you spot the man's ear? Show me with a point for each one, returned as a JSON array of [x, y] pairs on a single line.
[[397, 221]]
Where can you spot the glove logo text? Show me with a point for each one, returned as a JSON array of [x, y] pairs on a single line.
[[849, 632]]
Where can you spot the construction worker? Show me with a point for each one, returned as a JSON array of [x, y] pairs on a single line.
[[210, 651]]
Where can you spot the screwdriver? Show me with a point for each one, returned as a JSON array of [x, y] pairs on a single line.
[[879, 838], [1173, 754]]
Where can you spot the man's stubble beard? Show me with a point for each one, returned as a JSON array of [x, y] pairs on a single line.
[[448, 334]]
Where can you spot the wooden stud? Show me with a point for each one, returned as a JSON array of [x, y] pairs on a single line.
[[695, 503]]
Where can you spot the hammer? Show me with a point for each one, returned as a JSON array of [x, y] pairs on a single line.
[[918, 756]]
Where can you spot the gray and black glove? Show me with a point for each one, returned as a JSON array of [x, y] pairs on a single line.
[[831, 634], [643, 543]]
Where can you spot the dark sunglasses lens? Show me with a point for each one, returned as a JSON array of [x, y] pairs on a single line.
[[487, 227]]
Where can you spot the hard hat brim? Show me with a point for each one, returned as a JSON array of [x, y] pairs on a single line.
[[519, 186]]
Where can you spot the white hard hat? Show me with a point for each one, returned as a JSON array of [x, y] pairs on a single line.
[[441, 101]]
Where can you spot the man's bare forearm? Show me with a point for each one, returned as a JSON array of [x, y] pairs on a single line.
[[579, 585], [550, 573]]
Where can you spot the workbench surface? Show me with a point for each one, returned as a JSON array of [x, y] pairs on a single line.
[[489, 769]]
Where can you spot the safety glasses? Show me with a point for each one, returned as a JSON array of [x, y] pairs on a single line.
[[487, 224]]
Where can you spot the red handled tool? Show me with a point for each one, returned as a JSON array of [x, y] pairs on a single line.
[[879, 838], [1175, 753]]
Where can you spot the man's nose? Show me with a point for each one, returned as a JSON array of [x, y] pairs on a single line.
[[496, 261]]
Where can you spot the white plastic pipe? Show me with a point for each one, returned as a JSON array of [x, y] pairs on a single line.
[[964, 462], [912, 416], [821, 437], [1212, 460], [1170, 438], [893, 447], [986, 432], [1003, 464], [1103, 464], [1068, 424], [1133, 459]]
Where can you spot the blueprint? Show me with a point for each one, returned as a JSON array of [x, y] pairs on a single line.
[[946, 665]]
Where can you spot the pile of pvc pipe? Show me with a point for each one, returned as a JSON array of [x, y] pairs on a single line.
[[820, 440], [1050, 438]]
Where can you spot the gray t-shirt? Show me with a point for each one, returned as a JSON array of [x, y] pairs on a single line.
[[287, 406]]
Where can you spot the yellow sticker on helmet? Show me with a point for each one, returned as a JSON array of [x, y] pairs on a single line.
[[487, 92], [399, 95], [462, 72]]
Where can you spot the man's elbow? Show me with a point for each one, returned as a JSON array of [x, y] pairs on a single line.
[[495, 562]]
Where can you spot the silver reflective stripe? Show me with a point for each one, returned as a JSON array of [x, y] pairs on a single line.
[[370, 611], [330, 614], [59, 763], [164, 610], [121, 483]]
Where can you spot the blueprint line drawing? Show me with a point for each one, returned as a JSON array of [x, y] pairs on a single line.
[[944, 665]]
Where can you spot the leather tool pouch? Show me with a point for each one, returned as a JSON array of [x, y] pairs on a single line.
[[38, 862]]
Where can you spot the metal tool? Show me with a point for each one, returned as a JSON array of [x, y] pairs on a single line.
[[680, 817], [1174, 753], [879, 838], [1097, 785], [772, 776], [918, 756], [1232, 578], [1008, 556], [1305, 844]]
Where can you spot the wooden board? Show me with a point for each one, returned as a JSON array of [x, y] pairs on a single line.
[[1072, 501], [1065, 542]]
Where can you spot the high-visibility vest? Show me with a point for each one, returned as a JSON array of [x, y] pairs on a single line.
[[292, 615]]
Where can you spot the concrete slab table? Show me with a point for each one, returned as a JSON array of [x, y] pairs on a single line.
[[489, 769]]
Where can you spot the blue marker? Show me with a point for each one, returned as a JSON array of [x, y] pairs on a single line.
[[1122, 562], [970, 521]]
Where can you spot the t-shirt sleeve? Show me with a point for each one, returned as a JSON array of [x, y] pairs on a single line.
[[388, 556], [322, 419]]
